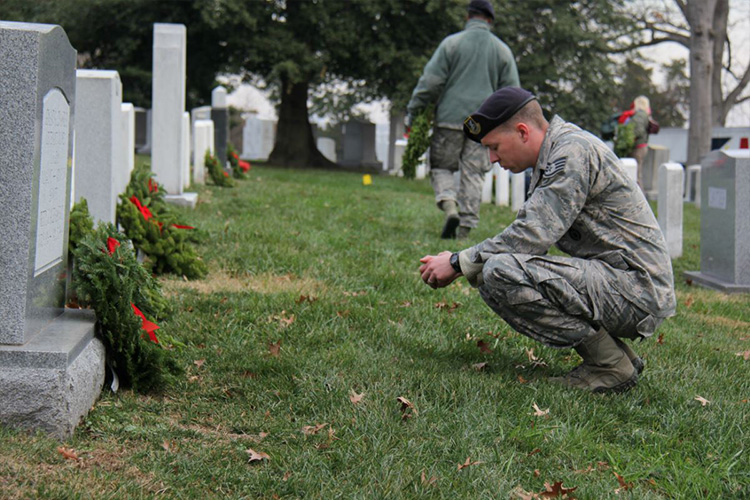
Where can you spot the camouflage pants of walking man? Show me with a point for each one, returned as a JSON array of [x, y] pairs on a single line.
[[451, 151]]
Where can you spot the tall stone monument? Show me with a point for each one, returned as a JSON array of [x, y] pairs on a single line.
[[51, 365], [99, 163], [725, 222], [168, 106], [220, 117]]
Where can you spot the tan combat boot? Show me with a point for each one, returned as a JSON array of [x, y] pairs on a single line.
[[638, 362], [605, 368], [451, 219]]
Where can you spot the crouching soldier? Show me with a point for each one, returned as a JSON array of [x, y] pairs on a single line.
[[617, 283]]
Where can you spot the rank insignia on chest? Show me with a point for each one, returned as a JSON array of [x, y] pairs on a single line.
[[553, 169]]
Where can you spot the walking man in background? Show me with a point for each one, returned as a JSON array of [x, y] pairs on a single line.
[[617, 282], [466, 68]]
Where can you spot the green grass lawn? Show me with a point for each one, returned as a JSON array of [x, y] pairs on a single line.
[[326, 268]]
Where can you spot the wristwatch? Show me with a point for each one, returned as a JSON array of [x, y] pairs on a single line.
[[455, 263]]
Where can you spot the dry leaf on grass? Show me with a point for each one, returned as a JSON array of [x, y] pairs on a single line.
[[538, 412], [557, 490], [689, 301], [287, 475], [313, 429], [407, 408], [68, 453], [479, 366], [468, 463], [484, 347], [660, 340], [256, 456], [355, 398], [535, 360], [703, 401], [428, 482], [522, 380], [744, 354], [446, 307], [284, 320], [624, 486], [274, 348], [306, 298], [199, 362]]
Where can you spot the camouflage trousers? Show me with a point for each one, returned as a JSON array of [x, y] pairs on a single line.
[[451, 151], [559, 301]]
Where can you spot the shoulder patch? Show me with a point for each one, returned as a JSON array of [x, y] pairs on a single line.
[[553, 169]]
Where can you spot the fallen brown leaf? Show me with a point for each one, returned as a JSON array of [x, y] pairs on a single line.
[[428, 482], [287, 475], [624, 486], [538, 412], [449, 308], [405, 303], [199, 362], [745, 355], [522, 380], [274, 348], [343, 314], [407, 408], [537, 473], [660, 340], [68, 453], [468, 463], [557, 491], [703, 401], [355, 398], [534, 452], [689, 301], [306, 298], [166, 445], [479, 366], [313, 429], [256, 456], [484, 347]]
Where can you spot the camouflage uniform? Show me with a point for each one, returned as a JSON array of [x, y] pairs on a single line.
[[451, 151], [466, 68], [619, 275]]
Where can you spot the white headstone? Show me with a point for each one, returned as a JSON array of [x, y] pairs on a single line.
[[185, 150], [327, 147], [487, 187], [204, 141], [518, 191], [421, 170], [258, 137], [128, 133], [398, 155], [630, 165], [219, 97], [670, 206], [502, 185], [168, 105], [693, 184], [99, 163]]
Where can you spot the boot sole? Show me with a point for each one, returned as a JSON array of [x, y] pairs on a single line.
[[620, 388], [449, 229]]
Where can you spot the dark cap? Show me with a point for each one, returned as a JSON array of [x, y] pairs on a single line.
[[496, 110], [482, 7]]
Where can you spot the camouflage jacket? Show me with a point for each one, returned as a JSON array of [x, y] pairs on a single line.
[[465, 69], [582, 201]]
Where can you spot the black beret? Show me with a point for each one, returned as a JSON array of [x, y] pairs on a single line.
[[496, 110], [483, 7]]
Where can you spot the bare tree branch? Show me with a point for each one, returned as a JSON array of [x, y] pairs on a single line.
[[733, 97]]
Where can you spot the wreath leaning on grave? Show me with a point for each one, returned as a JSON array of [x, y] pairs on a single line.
[[240, 168], [108, 279], [218, 175], [156, 230], [419, 141]]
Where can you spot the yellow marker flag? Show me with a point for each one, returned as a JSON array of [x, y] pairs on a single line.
[[367, 179]]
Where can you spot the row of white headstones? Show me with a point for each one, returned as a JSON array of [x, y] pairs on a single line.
[[105, 130]]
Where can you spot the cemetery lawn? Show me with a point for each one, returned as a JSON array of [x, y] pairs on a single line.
[[314, 300]]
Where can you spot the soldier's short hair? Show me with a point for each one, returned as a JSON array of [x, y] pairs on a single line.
[[531, 114]]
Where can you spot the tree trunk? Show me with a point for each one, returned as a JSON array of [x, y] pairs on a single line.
[[699, 14], [295, 145], [719, 107]]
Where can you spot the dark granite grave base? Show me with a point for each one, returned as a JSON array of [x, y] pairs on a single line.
[[715, 283], [51, 382]]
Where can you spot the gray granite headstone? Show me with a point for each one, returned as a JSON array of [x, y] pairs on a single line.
[[655, 157], [359, 145], [725, 222], [143, 131], [51, 366], [220, 117]]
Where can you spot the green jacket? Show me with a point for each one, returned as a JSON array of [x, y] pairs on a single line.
[[640, 127], [465, 69]]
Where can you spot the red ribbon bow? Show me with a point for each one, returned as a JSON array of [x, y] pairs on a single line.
[[245, 166], [144, 210], [112, 244], [182, 227], [146, 325]]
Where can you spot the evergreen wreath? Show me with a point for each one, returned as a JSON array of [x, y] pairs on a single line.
[[108, 279], [419, 141], [81, 224], [155, 229], [240, 168], [218, 175], [624, 139]]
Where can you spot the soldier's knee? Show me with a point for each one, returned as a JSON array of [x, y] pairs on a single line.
[[501, 271]]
